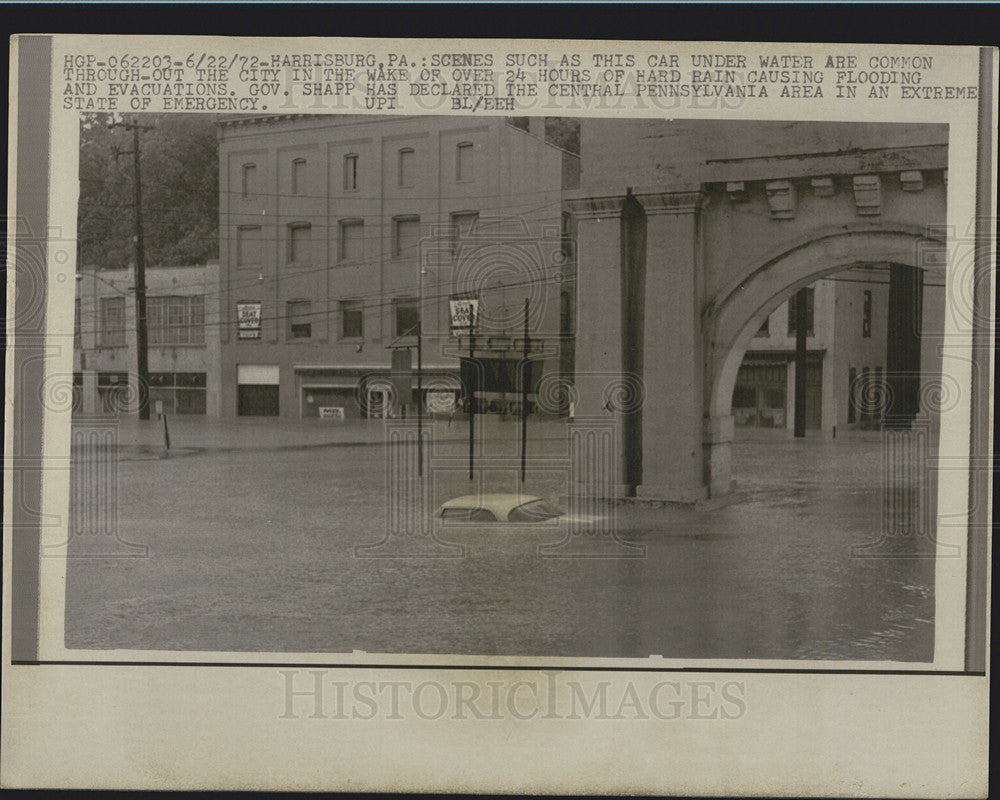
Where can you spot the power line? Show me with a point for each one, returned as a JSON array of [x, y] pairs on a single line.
[[250, 282], [372, 306]]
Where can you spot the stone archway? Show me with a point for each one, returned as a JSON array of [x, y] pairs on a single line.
[[730, 324]]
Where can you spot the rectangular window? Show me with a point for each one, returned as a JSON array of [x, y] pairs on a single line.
[[191, 379], [77, 392], [352, 240], [196, 320], [154, 319], [77, 338], [299, 176], [112, 389], [407, 317], [352, 319], [161, 380], [464, 162], [462, 226], [852, 376], [174, 320], [566, 234], [405, 166], [176, 327], [299, 313], [744, 396], [350, 172], [407, 237], [112, 322], [765, 328], [793, 312], [866, 318], [864, 392], [299, 243], [248, 186], [249, 246], [565, 313], [880, 390]]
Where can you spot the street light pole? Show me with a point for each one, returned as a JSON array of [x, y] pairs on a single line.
[[420, 375], [140, 284], [473, 386], [800, 362], [525, 377]]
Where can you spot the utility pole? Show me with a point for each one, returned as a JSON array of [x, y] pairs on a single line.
[[141, 336], [420, 379], [800, 362], [525, 379], [474, 384]]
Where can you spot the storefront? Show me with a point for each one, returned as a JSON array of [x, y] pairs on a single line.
[[762, 397], [179, 392], [258, 390]]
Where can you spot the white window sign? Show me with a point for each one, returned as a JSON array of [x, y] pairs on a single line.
[[463, 315], [248, 315]]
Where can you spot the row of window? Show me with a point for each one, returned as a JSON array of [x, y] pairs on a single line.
[[179, 392], [406, 317], [406, 235], [170, 320], [793, 311], [178, 320], [406, 170], [866, 316], [299, 317]]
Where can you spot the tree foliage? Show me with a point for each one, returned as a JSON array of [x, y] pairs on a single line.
[[179, 169], [563, 132]]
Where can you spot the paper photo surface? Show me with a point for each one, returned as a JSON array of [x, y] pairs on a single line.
[[437, 415]]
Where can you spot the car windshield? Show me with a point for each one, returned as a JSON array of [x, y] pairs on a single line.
[[467, 514], [456, 512], [535, 511]]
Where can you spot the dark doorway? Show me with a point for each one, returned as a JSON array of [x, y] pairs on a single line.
[[257, 401], [906, 286]]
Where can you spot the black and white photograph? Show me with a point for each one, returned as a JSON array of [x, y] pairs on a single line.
[[480, 415], [537, 386]]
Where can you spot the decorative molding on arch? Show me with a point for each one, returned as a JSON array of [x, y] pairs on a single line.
[[889, 228], [730, 325]]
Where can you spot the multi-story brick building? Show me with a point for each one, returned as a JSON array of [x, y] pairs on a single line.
[[340, 235], [183, 340]]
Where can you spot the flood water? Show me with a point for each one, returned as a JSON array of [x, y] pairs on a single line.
[[254, 551]]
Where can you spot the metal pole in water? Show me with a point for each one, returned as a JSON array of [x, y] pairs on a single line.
[[526, 372], [473, 377]]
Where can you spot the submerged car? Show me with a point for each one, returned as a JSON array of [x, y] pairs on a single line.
[[515, 508]]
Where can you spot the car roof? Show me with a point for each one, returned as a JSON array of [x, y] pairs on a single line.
[[494, 502]]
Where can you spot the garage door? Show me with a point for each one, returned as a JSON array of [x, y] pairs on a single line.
[[257, 394], [258, 401]]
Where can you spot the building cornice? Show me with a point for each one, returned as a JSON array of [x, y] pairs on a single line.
[[608, 207], [681, 202]]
